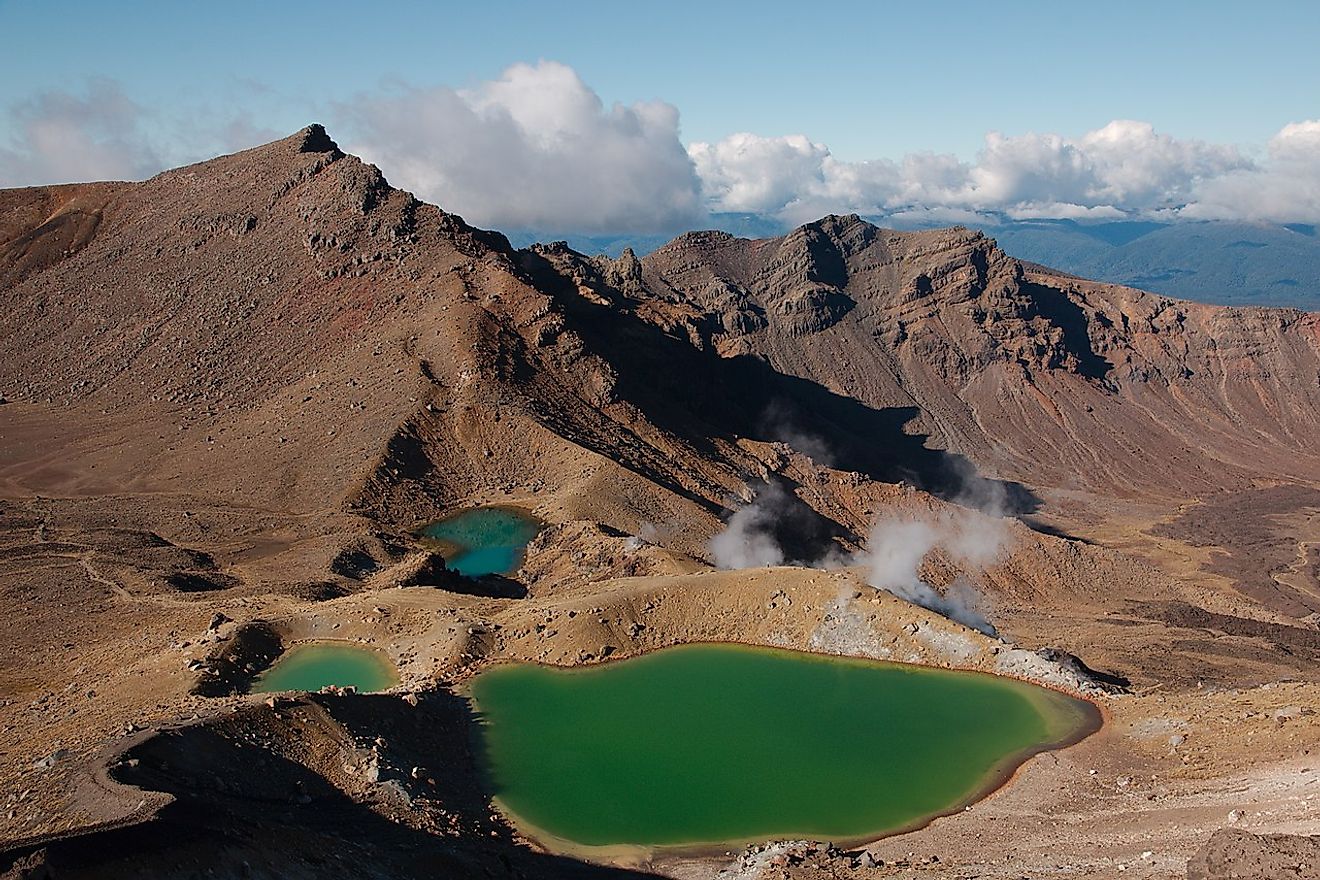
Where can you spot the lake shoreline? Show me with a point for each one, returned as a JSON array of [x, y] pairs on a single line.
[[1048, 702]]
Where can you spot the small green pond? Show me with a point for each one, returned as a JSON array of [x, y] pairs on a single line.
[[312, 666], [722, 744], [484, 540]]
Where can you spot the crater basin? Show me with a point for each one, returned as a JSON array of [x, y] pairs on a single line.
[[484, 540], [704, 745], [315, 665]]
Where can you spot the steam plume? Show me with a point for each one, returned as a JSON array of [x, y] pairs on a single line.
[[898, 546], [748, 539]]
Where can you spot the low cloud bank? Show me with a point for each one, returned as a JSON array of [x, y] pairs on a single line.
[[59, 136], [534, 149], [95, 131], [537, 149], [1125, 169]]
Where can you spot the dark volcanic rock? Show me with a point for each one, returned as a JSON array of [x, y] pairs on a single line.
[[1109, 681]]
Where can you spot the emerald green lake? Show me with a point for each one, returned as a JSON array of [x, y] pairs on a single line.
[[720, 744], [484, 540], [315, 665]]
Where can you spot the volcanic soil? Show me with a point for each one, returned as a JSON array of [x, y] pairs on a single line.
[[233, 393]]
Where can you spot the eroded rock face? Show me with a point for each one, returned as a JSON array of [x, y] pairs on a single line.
[[1231, 854], [422, 568], [282, 327], [291, 296], [996, 356]]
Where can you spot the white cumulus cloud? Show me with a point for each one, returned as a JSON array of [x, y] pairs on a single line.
[[534, 149], [1121, 169], [760, 175], [1284, 188], [537, 149], [58, 136], [97, 132]]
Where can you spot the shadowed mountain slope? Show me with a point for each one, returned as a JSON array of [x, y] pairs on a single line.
[[1052, 381], [230, 394], [282, 328]]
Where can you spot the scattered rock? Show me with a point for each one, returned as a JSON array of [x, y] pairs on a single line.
[[33, 866], [1289, 713], [51, 760], [1106, 681]]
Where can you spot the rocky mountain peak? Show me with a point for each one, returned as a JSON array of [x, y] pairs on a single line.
[[315, 139]]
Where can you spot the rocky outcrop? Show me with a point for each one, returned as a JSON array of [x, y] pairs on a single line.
[[419, 569], [283, 327], [253, 647], [1230, 854], [1049, 379], [278, 359]]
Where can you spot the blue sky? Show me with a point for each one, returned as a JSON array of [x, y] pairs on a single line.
[[869, 79], [864, 80]]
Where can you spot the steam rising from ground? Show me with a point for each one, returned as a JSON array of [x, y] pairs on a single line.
[[898, 545], [748, 540]]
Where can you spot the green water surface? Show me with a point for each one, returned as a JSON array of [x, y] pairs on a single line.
[[315, 665], [706, 744], [484, 540]]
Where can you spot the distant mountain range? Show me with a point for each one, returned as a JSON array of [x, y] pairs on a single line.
[[613, 245], [1220, 262], [1226, 263]]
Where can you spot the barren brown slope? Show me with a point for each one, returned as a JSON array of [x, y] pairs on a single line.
[[282, 328], [1114, 406], [235, 388], [1053, 381]]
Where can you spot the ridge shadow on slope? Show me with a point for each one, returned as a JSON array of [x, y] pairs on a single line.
[[1054, 305], [244, 809], [699, 396]]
